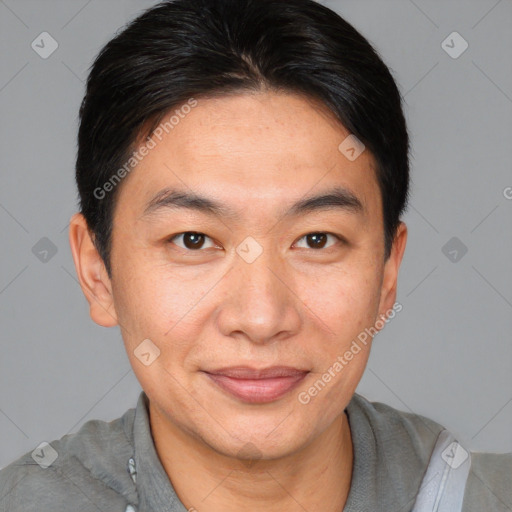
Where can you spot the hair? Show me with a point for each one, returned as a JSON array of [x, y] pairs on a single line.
[[183, 49]]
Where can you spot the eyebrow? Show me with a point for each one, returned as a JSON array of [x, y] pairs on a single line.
[[336, 198]]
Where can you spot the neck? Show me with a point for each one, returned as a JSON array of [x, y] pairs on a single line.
[[317, 477]]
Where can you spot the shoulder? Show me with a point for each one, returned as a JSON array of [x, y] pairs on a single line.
[[407, 441], [489, 485], [83, 471]]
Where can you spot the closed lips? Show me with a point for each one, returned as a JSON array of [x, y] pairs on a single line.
[[244, 372]]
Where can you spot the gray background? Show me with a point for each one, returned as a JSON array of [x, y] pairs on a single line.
[[447, 355]]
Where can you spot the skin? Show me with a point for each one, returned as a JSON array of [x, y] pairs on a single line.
[[207, 308]]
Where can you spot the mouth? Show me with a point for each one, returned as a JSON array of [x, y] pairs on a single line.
[[252, 385]]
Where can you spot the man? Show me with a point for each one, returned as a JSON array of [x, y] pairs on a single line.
[[242, 170]]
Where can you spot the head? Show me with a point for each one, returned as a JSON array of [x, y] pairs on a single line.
[[242, 170]]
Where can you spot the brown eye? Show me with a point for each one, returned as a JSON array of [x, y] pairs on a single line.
[[191, 240], [318, 240]]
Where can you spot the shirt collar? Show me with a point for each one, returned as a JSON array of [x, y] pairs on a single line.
[[363, 489]]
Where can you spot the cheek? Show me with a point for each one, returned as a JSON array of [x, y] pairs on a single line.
[[347, 304], [151, 300], [166, 307], [344, 302], [155, 305]]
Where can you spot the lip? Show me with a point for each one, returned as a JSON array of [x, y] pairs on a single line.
[[257, 385]]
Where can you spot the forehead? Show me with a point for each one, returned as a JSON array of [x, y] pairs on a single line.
[[251, 150]]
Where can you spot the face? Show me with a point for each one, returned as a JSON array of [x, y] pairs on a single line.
[[258, 271]]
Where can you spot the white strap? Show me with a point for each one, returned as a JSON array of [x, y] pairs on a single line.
[[443, 486]]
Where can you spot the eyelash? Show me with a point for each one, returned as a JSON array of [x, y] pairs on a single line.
[[338, 238]]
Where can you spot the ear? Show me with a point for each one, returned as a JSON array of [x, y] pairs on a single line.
[[390, 273], [92, 273]]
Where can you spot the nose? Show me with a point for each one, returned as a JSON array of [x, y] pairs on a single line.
[[259, 301]]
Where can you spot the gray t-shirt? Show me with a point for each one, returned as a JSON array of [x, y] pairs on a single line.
[[109, 466]]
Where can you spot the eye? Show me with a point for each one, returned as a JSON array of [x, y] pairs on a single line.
[[192, 240], [318, 240]]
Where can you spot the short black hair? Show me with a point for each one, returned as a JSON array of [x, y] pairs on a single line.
[[183, 49]]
